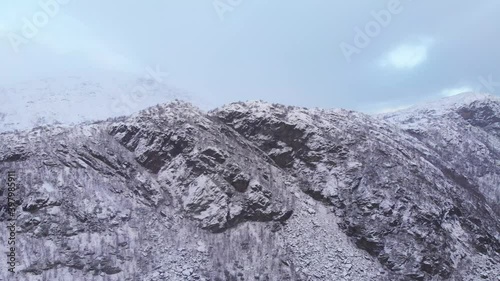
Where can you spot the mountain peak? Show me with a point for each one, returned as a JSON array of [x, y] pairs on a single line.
[[465, 99], [444, 105]]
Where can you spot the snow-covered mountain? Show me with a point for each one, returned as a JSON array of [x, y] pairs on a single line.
[[468, 123], [259, 191], [76, 99], [442, 107]]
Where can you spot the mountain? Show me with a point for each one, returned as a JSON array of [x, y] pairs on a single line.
[[79, 98], [259, 191], [468, 124]]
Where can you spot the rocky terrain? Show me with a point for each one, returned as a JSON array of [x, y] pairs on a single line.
[[259, 191]]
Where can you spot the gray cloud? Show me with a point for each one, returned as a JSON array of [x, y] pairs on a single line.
[[281, 51]]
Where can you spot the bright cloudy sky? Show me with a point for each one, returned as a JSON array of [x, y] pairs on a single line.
[[365, 55]]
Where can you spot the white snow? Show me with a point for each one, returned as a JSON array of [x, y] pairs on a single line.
[[77, 99], [423, 116], [441, 106]]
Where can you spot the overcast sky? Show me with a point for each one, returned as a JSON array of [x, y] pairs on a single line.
[[365, 55]]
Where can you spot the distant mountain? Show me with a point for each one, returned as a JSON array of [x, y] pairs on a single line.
[[76, 99], [260, 191]]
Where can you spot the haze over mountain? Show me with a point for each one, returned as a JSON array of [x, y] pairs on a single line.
[[82, 97], [85, 97]]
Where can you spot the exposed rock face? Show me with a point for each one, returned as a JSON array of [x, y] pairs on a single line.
[[398, 198], [202, 161], [255, 191]]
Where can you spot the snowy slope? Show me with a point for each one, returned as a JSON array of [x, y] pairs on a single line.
[[76, 99], [467, 124], [439, 107]]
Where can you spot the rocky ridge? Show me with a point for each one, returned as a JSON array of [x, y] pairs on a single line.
[[258, 191]]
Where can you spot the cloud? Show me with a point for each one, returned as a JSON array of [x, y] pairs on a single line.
[[70, 38], [406, 56], [381, 108], [455, 91], [386, 107], [3, 30], [415, 58], [12, 13]]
